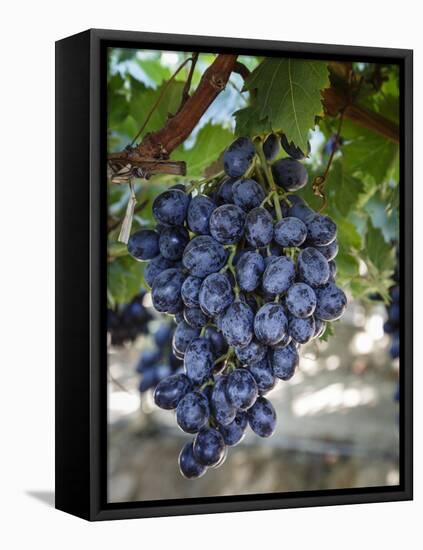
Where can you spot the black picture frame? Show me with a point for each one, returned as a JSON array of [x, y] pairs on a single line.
[[81, 276]]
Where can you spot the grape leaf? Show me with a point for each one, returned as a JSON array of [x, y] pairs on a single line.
[[154, 70], [211, 140], [378, 251], [288, 95], [141, 104], [124, 280], [344, 189], [248, 122], [367, 153]]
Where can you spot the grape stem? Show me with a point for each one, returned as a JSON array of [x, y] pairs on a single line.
[[229, 265], [271, 181], [204, 181]]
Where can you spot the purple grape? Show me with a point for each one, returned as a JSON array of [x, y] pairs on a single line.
[[227, 224], [290, 232], [270, 324], [262, 417], [144, 244], [170, 207], [258, 227], [289, 174], [248, 194]]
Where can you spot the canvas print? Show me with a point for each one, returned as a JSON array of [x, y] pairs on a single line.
[[253, 282]]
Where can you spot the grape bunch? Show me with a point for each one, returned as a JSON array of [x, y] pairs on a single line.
[[248, 270], [159, 362], [392, 325], [126, 322]]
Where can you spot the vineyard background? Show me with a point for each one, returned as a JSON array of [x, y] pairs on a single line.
[[337, 417]]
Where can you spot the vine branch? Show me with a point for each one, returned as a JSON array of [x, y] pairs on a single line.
[[334, 101], [160, 144]]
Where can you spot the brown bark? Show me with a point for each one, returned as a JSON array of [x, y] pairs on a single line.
[[161, 143], [334, 101]]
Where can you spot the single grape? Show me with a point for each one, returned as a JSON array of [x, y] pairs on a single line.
[[199, 211], [225, 193], [292, 150], [154, 267], [330, 250], [237, 324], [144, 244], [271, 147], [189, 466], [241, 389], [301, 300], [248, 194], [313, 268], [321, 230], [284, 361], [192, 412], [170, 207], [172, 242], [183, 335], [234, 432], [223, 411], [171, 390], [203, 255], [249, 270], [166, 291], [263, 374], [209, 447], [279, 275], [190, 291], [227, 224], [331, 302], [262, 417], [217, 341], [252, 353], [195, 317], [301, 211], [301, 330], [198, 360], [270, 324], [216, 294], [290, 232], [238, 156], [289, 174], [258, 227]]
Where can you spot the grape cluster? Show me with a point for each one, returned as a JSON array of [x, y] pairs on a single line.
[[392, 325], [159, 362], [125, 323], [248, 270]]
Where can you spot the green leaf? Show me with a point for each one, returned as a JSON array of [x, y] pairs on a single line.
[[288, 95], [347, 265], [211, 141], [154, 70], [142, 103], [344, 189], [124, 279], [347, 235], [368, 153], [248, 122], [378, 251]]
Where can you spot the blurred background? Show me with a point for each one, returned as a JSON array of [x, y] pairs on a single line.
[[338, 416]]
